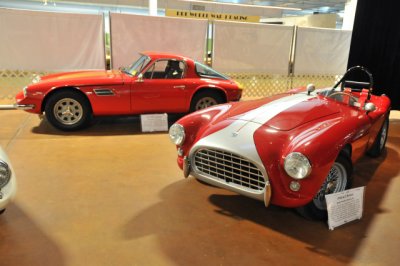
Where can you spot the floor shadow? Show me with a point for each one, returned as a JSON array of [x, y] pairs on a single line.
[[229, 229], [103, 126], [23, 243]]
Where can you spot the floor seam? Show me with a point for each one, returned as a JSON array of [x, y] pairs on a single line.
[[17, 132]]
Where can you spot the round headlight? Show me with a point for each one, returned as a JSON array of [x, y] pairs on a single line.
[[177, 134], [297, 165], [5, 174]]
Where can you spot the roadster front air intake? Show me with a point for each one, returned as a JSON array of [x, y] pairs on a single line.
[[228, 167]]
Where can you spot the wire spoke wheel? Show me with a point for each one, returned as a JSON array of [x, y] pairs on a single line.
[[68, 111], [383, 136], [336, 181], [205, 102]]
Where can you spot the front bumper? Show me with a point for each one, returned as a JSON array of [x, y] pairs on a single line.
[[17, 106], [7, 192]]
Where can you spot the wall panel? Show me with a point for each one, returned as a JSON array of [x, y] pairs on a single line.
[[251, 48], [131, 34], [47, 41], [321, 51]]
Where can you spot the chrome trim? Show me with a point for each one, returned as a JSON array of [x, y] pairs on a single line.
[[8, 173], [186, 166], [179, 87], [104, 92], [267, 193], [228, 167], [17, 106], [261, 195]]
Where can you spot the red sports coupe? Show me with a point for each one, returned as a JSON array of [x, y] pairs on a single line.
[[155, 83], [290, 149]]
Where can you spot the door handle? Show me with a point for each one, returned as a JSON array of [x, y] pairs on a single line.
[[180, 87]]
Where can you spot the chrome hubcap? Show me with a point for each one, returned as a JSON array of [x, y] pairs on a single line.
[[205, 102], [336, 181], [68, 111]]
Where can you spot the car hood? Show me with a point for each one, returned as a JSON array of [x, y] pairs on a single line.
[[281, 112], [92, 77]]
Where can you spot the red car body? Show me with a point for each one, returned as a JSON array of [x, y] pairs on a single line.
[[227, 144], [121, 92]]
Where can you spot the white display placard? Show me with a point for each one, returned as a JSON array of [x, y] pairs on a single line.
[[154, 122], [345, 206]]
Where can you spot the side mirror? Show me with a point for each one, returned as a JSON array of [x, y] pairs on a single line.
[[139, 78], [310, 88], [369, 107]]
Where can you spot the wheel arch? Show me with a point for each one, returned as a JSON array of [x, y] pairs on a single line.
[[347, 150], [220, 91], [60, 89]]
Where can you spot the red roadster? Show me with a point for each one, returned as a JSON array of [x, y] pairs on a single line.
[[155, 83], [290, 149]]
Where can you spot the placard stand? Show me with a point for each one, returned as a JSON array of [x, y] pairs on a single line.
[[345, 206], [154, 122]]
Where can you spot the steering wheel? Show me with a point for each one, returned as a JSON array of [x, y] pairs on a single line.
[[358, 84]]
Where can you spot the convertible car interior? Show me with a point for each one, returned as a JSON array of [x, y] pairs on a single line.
[[354, 93]]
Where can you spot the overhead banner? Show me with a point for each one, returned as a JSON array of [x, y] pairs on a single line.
[[210, 15], [49, 41]]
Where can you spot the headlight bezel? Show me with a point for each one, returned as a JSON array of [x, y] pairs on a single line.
[[25, 91], [6, 169], [177, 134], [303, 164]]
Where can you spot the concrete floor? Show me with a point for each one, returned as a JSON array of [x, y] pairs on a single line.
[[110, 195]]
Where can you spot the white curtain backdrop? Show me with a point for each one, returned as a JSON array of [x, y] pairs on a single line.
[[131, 34], [251, 48], [31, 40], [321, 51]]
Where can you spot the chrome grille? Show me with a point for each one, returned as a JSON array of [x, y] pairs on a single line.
[[229, 167]]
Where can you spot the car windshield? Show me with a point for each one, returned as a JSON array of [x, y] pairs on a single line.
[[137, 66], [207, 72]]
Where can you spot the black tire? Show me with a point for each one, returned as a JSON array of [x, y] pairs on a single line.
[[68, 110], [379, 144], [205, 99], [316, 208]]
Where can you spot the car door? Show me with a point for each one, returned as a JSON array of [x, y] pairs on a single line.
[[160, 88]]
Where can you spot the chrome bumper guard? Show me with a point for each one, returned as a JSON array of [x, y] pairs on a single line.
[[16, 106], [186, 167]]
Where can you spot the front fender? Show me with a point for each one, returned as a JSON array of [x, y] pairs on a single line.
[[320, 143], [198, 125]]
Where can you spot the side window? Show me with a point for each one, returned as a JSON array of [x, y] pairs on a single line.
[[165, 69], [157, 70]]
